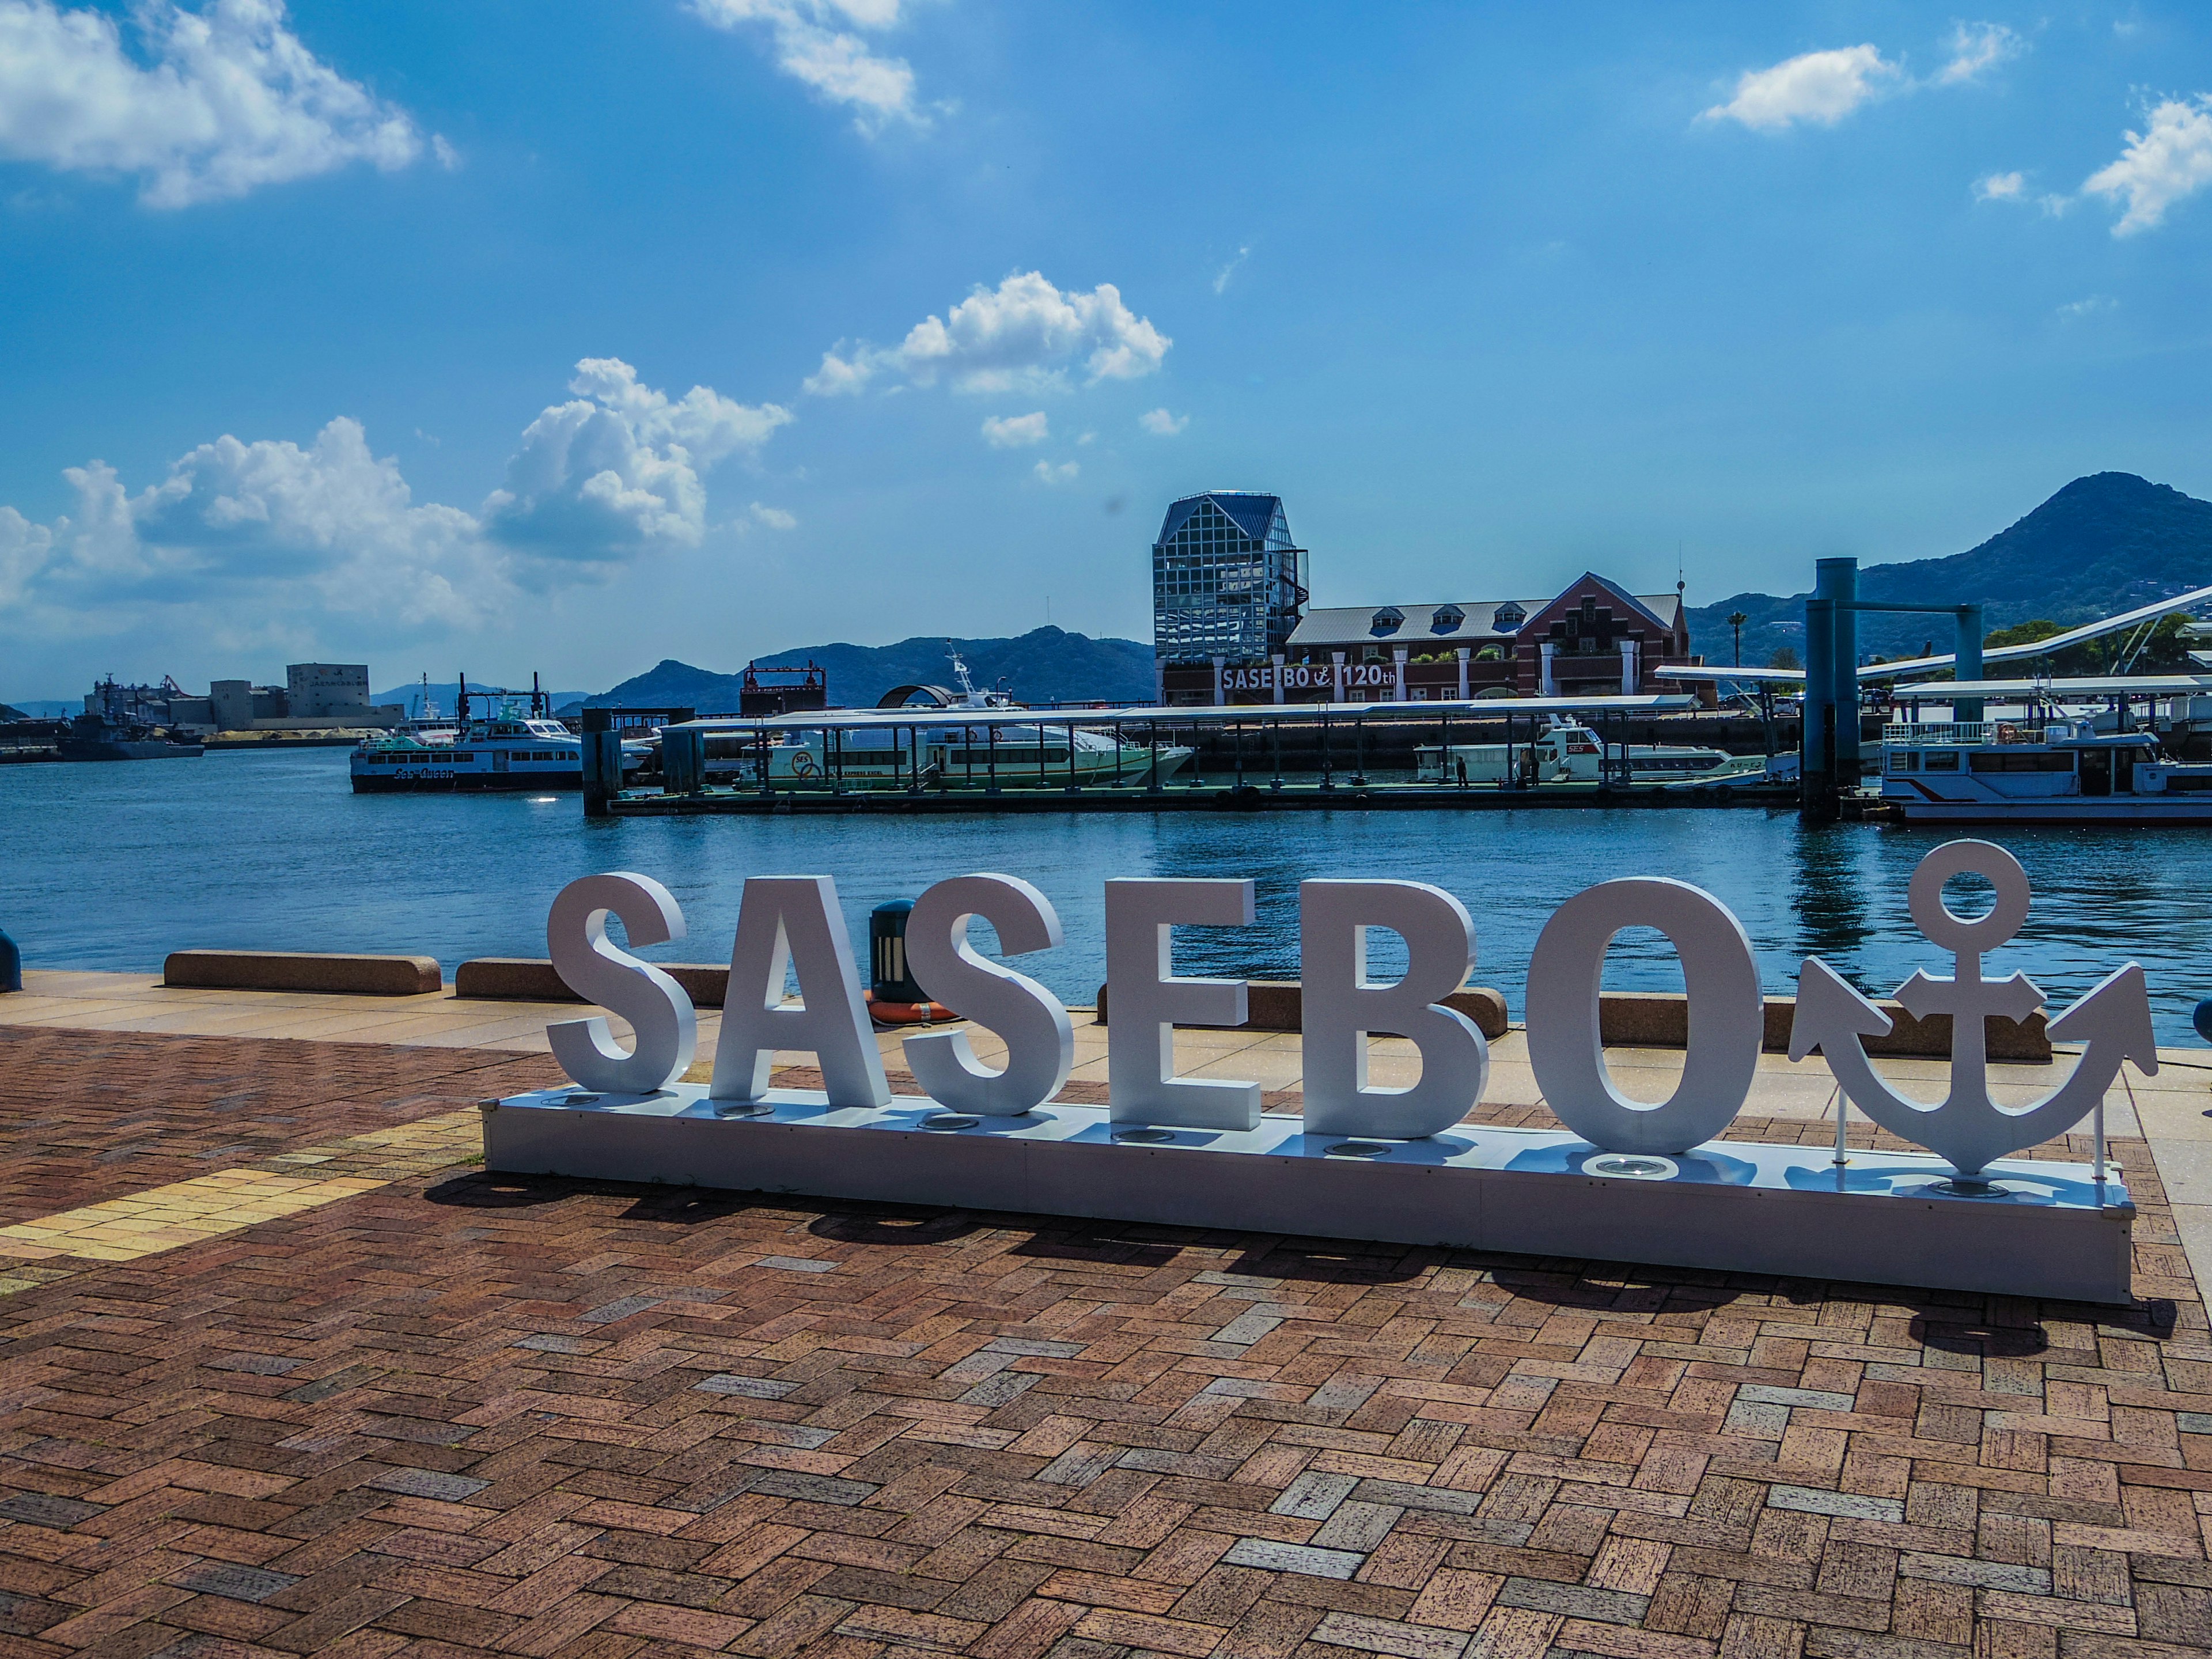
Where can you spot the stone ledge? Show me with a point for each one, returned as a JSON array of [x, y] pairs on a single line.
[[1662, 1020], [1277, 1004], [532, 978], [303, 970]]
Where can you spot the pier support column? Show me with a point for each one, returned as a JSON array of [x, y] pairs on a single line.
[[1463, 653], [1969, 665], [1838, 579], [1219, 664], [1275, 679], [1817, 756], [1404, 692], [602, 762], [682, 761]]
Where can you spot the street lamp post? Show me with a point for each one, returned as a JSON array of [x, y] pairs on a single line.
[[1737, 620]]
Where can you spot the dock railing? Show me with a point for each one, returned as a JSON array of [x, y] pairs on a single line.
[[1950, 731]]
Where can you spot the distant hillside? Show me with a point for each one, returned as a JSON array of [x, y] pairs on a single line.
[[1047, 665], [2103, 544]]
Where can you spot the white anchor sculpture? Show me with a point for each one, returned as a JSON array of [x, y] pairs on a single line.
[[1967, 1128]]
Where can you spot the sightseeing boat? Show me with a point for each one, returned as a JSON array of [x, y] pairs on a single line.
[[1567, 751], [2051, 771], [512, 748], [855, 755]]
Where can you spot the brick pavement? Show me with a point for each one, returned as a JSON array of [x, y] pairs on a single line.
[[463, 1413], [87, 1115]]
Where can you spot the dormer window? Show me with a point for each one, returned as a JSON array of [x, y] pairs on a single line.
[[1508, 616], [1446, 619], [1388, 620]]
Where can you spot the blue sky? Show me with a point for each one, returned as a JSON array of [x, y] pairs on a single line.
[[565, 336]]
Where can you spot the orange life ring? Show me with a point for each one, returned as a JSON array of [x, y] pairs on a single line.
[[906, 1013], [803, 764]]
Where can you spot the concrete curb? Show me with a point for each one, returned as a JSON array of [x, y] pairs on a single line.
[[532, 978], [303, 970]]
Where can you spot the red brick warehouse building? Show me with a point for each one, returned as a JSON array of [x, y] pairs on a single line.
[[1230, 624]]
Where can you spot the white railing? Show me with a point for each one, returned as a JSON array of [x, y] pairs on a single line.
[[1966, 732]]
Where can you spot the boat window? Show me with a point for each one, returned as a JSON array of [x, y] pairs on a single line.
[[1942, 760], [2044, 760], [1905, 760]]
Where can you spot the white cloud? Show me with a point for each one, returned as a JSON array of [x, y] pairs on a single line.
[[1066, 472], [819, 42], [2000, 187], [229, 99], [1013, 431], [1975, 47], [1818, 86], [2167, 164], [276, 532], [2088, 307], [1221, 277], [1161, 424], [617, 469], [1018, 336]]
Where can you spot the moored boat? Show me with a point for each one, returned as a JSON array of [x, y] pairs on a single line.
[[511, 749], [2055, 771], [1567, 751]]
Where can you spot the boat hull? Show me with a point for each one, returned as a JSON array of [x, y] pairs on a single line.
[[431, 782], [2148, 809]]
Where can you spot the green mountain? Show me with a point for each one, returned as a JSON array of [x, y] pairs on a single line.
[[1043, 666], [2103, 544]]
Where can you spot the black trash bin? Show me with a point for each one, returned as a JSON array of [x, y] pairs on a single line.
[[11, 965], [894, 981]]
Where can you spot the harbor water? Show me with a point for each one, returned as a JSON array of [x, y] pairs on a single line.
[[111, 866]]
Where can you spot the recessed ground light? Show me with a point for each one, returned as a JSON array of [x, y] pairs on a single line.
[[1633, 1168], [950, 1121], [1144, 1137]]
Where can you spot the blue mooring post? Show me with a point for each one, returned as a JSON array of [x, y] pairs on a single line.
[[2202, 1019], [1969, 665], [11, 965]]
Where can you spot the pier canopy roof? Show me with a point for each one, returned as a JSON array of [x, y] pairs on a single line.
[[2098, 685], [1485, 708]]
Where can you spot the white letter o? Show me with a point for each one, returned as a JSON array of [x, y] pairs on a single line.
[[1726, 1015]]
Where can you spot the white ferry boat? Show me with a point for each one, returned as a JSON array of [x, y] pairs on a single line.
[[2055, 771], [507, 751], [906, 755], [1568, 751]]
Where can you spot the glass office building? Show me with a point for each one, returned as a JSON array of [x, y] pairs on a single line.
[[1227, 579]]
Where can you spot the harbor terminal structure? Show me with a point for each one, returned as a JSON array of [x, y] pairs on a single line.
[[1261, 699], [1231, 623]]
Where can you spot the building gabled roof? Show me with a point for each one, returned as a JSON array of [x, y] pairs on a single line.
[[1249, 511], [1660, 610], [1355, 624]]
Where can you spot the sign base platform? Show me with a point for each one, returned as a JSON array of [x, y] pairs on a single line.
[[2033, 1229]]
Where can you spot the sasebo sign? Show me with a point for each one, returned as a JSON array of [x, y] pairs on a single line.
[[1308, 676], [793, 923]]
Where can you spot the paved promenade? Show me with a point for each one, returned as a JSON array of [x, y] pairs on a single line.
[[281, 1372]]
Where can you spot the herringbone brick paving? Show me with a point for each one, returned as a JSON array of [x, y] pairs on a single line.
[[465, 1413]]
